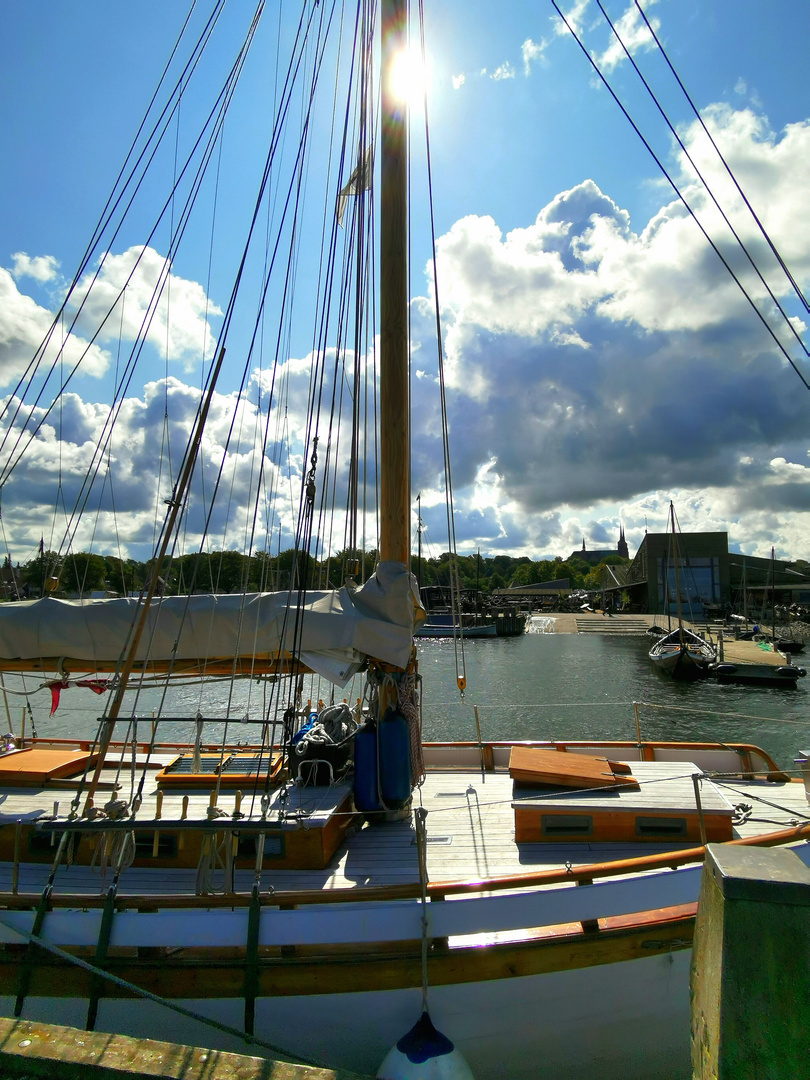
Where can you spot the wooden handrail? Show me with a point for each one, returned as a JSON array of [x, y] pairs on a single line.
[[741, 749], [614, 868], [437, 890]]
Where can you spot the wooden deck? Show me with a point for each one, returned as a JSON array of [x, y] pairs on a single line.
[[736, 652], [470, 828]]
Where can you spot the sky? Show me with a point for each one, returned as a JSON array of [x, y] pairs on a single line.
[[600, 358]]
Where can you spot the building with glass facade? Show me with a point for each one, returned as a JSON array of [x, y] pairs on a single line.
[[709, 577]]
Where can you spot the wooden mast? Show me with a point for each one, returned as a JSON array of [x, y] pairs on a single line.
[[773, 596], [395, 518], [677, 577]]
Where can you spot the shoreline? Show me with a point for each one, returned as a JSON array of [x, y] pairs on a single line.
[[743, 652]]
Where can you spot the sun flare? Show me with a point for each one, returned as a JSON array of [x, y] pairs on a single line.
[[409, 78]]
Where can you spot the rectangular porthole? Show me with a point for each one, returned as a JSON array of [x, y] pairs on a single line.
[[41, 843], [567, 825], [145, 846], [273, 846], [658, 826]]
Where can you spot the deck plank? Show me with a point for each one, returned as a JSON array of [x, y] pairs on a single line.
[[470, 828]]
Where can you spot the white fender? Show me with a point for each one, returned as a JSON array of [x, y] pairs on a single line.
[[424, 1054]]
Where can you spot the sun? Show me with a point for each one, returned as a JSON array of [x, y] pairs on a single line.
[[409, 78]]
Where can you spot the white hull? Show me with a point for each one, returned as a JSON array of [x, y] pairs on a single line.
[[573, 1024], [683, 654], [585, 1018], [439, 631]]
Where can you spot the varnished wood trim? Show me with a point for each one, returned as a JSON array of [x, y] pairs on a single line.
[[616, 867], [743, 751], [346, 971], [436, 890]]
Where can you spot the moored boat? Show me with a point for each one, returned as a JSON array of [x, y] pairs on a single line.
[[757, 674], [681, 653], [330, 926], [439, 626], [304, 875]]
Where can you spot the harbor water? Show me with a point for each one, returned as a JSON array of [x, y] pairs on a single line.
[[536, 686], [583, 686]]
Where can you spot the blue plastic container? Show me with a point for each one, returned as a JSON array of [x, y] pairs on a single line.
[[366, 798], [395, 760]]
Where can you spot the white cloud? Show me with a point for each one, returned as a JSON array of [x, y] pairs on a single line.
[[172, 311], [635, 35], [504, 71], [458, 81], [531, 51], [178, 327], [589, 363], [522, 283], [575, 18], [40, 267], [593, 370], [25, 325], [135, 472]]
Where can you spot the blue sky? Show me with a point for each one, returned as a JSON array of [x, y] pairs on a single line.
[[600, 359]]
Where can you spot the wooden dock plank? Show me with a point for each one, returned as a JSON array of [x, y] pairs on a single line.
[[28, 1048]]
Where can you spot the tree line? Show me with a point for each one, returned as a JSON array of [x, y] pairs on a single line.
[[83, 573]]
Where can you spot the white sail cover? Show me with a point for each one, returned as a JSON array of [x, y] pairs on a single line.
[[333, 631]]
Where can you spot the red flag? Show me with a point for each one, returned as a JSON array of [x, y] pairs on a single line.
[[98, 686]]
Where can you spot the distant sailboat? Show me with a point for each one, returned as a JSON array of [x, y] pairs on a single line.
[[681, 652]]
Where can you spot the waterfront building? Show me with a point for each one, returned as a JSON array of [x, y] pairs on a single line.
[[711, 579]]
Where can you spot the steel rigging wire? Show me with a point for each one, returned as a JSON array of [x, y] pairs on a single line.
[[762, 318], [706, 186], [133, 182], [731, 175], [217, 116], [458, 638]]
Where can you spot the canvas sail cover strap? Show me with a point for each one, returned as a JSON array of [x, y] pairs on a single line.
[[337, 629]]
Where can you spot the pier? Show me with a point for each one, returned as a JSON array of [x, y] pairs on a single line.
[[29, 1049]]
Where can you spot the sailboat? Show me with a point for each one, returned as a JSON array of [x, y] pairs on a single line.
[[305, 878], [681, 652]]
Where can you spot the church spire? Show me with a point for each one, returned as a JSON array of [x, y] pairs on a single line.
[[622, 545]]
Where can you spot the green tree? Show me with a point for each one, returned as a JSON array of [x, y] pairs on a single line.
[[523, 574], [194, 574], [35, 572], [82, 573], [119, 574], [229, 571], [295, 570]]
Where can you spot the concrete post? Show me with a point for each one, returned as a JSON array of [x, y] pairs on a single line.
[[750, 978]]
